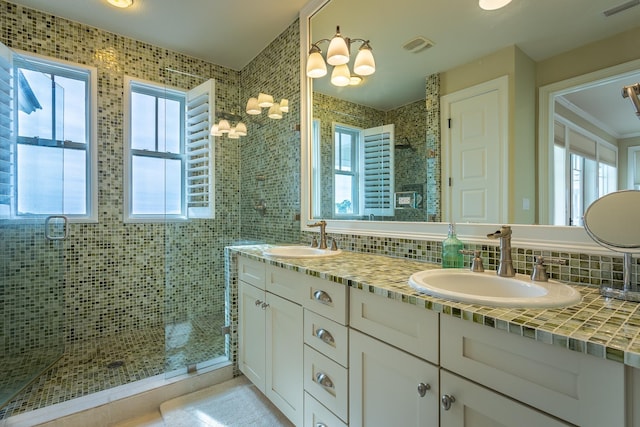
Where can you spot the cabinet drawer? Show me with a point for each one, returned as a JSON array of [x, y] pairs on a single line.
[[326, 381], [328, 299], [575, 387], [288, 284], [315, 414], [251, 271], [402, 325], [326, 336]]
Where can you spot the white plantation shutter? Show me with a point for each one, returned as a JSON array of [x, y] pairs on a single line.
[[200, 151], [6, 130], [377, 171]]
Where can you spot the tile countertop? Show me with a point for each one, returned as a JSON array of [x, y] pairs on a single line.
[[605, 328]]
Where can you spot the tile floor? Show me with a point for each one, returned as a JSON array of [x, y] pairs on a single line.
[[96, 365]]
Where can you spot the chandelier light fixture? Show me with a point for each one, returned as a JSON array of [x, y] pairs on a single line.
[[338, 56], [224, 127], [275, 109]]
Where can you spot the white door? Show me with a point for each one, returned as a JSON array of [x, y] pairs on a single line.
[[251, 334], [474, 155], [467, 404], [388, 387], [284, 385]]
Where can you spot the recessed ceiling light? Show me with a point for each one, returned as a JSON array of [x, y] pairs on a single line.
[[120, 3], [493, 4]]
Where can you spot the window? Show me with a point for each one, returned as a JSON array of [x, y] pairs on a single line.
[[47, 145], [363, 171], [345, 175], [169, 152], [592, 172]]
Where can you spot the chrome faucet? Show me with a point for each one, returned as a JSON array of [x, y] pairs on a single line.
[[323, 233], [505, 268]]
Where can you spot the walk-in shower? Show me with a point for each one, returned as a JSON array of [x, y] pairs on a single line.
[[115, 301]]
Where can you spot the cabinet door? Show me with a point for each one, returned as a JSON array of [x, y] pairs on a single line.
[[472, 405], [284, 357], [388, 387], [251, 333]]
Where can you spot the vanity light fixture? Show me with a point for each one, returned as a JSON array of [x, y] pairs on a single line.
[[493, 4], [120, 3], [275, 109], [338, 55], [223, 127]]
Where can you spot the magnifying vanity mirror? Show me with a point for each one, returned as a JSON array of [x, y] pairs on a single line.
[[425, 53], [612, 221]]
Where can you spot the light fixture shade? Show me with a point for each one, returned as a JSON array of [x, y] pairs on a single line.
[[338, 52], [316, 66], [355, 80], [120, 3], [252, 107], [241, 129], [224, 126], [284, 105], [341, 76], [274, 112], [264, 100], [364, 64], [493, 4], [215, 131], [233, 134]]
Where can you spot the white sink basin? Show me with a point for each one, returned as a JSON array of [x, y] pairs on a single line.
[[299, 252], [489, 289]]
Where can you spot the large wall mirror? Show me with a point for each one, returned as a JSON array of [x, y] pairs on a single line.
[[426, 55]]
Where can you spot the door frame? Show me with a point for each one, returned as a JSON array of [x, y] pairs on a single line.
[[501, 85]]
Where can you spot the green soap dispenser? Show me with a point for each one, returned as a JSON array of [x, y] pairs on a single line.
[[451, 247]]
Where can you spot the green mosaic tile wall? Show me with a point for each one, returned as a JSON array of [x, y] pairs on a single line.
[[114, 278]]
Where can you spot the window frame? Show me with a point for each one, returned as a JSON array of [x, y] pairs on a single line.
[[69, 69], [153, 89], [355, 169]]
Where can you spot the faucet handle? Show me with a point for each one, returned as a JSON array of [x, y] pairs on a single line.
[[314, 242], [476, 262], [539, 273], [334, 244]]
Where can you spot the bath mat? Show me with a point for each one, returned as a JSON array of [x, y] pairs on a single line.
[[234, 403]]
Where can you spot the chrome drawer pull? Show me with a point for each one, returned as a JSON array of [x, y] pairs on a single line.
[[321, 425], [258, 302], [325, 336], [322, 296], [423, 388], [264, 305], [446, 401], [324, 380]]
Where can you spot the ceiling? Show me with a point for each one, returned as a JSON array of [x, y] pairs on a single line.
[[225, 32], [231, 33]]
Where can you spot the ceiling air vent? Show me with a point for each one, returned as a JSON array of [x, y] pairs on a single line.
[[620, 8], [419, 43]]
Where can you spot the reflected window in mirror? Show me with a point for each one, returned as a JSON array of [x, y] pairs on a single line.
[[589, 166], [346, 143]]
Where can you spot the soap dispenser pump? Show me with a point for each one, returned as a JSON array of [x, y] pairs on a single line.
[[451, 247]]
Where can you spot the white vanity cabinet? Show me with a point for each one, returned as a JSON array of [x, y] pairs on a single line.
[[270, 334], [393, 382], [580, 389]]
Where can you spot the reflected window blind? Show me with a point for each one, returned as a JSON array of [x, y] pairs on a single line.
[[200, 151], [6, 132], [378, 170]]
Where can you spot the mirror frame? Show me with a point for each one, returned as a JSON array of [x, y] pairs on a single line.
[[556, 238]]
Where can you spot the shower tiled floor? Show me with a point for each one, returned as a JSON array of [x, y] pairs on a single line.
[[89, 367]]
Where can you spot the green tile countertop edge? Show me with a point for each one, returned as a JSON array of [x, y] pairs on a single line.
[[602, 327]]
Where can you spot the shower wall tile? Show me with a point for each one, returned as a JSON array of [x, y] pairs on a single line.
[[117, 276]]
